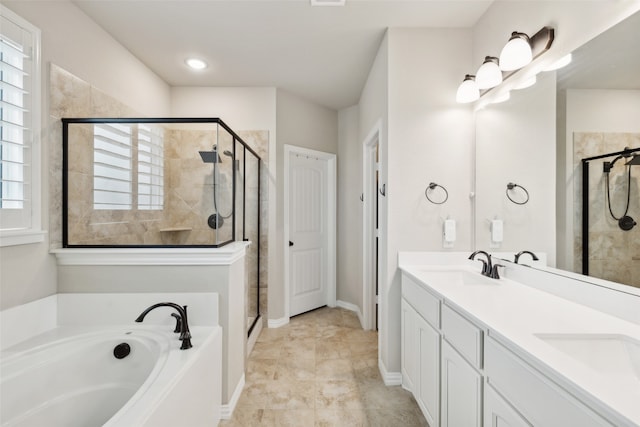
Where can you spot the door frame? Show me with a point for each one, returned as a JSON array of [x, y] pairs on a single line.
[[330, 160], [368, 240]]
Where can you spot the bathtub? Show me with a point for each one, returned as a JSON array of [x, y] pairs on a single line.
[[70, 376]]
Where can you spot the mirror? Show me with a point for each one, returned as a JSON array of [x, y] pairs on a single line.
[[538, 139]]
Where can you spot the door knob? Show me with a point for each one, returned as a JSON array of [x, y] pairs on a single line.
[[290, 243]]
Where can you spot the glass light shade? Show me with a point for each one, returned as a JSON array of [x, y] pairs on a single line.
[[562, 62], [468, 90], [489, 74], [516, 53]]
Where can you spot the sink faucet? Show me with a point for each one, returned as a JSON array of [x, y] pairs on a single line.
[[185, 334], [519, 254], [487, 268]]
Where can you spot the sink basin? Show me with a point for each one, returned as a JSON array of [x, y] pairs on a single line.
[[608, 354], [458, 277]]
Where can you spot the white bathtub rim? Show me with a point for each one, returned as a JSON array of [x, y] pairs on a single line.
[[167, 371]]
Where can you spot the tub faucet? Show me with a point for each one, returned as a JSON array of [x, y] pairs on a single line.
[[185, 335], [519, 254], [487, 268]]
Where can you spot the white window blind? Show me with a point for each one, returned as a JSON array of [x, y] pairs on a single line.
[[150, 168], [112, 168], [119, 182], [17, 121]]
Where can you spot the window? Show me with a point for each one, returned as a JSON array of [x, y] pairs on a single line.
[[19, 130], [114, 170], [150, 168]]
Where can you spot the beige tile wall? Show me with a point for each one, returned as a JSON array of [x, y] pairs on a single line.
[[614, 254]]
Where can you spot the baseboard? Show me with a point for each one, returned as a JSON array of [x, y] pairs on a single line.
[[277, 323], [351, 307], [389, 378], [226, 411]]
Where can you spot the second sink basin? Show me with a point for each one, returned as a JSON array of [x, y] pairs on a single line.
[[608, 354]]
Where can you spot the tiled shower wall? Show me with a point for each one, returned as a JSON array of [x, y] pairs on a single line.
[[614, 254], [187, 204]]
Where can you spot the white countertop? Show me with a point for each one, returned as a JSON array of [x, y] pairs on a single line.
[[513, 313]]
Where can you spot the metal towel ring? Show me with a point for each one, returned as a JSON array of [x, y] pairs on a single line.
[[511, 186], [432, 186]]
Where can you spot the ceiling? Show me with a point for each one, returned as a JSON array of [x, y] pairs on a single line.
[[323, 54]]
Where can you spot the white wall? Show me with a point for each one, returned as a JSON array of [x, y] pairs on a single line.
[[589, 110], [516, 142], [430, 138], [303, 124], [349, 241], [73, 41]]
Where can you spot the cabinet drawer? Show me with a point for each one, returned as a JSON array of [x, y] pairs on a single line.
[[535, 396], [463, 335], [425, 303]]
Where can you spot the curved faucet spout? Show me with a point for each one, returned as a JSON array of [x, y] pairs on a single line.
[[519, 254], [486, 265], [185, 334]]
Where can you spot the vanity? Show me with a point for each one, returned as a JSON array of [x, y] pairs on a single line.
[[478, 351]]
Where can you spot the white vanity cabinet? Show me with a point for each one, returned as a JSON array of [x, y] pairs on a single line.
[[420, 348], [539, 399], [498, 413], [461, 391]]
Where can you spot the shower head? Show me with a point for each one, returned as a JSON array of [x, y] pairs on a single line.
[[228, 153], [210, 156], [635, 160]]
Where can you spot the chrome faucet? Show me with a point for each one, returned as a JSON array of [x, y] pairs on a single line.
[[181, 319], [487, 268], [519, 254]]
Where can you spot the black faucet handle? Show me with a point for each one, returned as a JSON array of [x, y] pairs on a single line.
[[178, 327], [494, 271]]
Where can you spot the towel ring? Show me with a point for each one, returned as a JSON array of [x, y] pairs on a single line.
[[432, 186], [512, 186]]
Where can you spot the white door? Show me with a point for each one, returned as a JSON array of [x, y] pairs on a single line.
[[308, 195]]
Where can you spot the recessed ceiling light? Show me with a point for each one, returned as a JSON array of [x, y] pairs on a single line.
[[196, 64]]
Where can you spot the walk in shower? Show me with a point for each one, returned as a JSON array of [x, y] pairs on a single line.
[[158, 183], [610, 237]]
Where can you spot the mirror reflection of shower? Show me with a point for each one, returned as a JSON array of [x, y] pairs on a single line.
[[216, 219], [625, 222]]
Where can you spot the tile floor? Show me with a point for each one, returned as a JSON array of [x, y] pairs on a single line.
[[320, 370]]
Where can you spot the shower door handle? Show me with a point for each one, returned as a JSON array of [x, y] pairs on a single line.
[[290, 243]]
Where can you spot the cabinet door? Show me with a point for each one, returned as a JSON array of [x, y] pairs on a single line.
[[498, 413], [428, 387], [461, 391], [408, 349]]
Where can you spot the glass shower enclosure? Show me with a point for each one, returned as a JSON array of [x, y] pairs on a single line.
[[161, 182]]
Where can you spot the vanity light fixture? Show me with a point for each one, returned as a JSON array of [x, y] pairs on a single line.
[[489, 74], [468, 90], [562, 62], [516, 53], [196, 64]]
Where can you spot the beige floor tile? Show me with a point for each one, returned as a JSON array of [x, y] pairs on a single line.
[[334, 369], [337, 394], [320, 370], [341, 418], [332, 349], [289, 394], [296, 369]]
